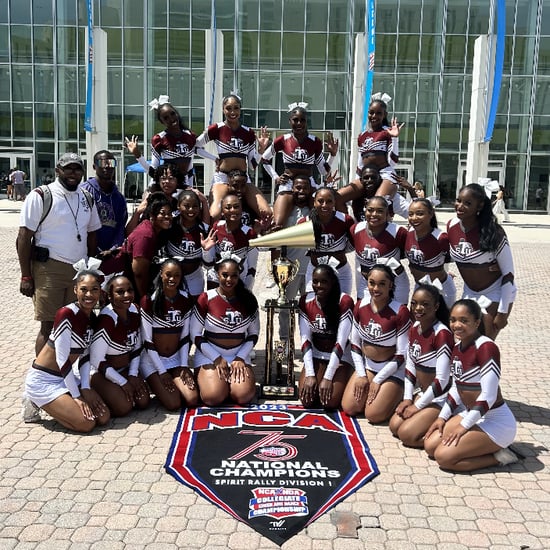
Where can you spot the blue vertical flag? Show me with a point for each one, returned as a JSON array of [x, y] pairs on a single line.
[[499, 67], [90, 77], [370, 25]]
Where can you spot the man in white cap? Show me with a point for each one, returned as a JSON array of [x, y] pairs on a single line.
[[57, 228]]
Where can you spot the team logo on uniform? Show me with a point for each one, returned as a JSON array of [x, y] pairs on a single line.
[[456, 367], [225, 246], [373, 329], [187, 247], [88, 335], [173, 316], [182, 148], [327, 239], [275, 467], [131, 339], [464, 248], [236, 143], [415, 255], [233, 317], [370, 253], [320, 322], [300, 154], [415, 349]]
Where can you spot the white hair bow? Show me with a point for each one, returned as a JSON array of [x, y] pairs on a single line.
[[301, 104], [160, 260], [228, 255], [483, 302], [109, 278], [434, 200], [392, 263], [156, 103], [236, 94], [435, 283], [490, 186], [380, 96], [331, 261], [92, 264]]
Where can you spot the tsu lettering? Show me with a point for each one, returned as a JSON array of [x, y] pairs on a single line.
[[187, 246], [88, 336], [456, 367], [300, 154], [320, 322], [415, 255], [373, 329], [173, 316], [327, 239], [182, 148], [232, 317], [370, 253], [131, 339], [415, 350], [226, 246], [464, 248], [236, 143]]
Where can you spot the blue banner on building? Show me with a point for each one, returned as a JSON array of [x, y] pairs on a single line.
[[370, 25], [90, 73]]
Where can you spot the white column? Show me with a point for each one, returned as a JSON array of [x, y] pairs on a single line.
[[97, 139], [357, 102]]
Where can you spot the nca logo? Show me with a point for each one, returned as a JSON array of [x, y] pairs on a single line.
[[300, 154], [232, 317], [464, 248], [456, 367], [370, 253], [415, 255], [373, 329]]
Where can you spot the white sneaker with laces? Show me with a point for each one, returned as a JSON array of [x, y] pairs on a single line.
[[29, 411], [506, 456]]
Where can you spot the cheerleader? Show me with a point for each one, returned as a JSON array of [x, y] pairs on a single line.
[[300, 151], [427, 369], [377, 240], [325, 319], [378, 348], [332, 234], [165, 330], [480, 249], [427, 248], [236, 146], [51, 383], [475, 426], [224, 328], [116, 349], [185, 242]]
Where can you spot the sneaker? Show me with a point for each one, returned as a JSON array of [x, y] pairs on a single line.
[[506, 456], [29, 411]]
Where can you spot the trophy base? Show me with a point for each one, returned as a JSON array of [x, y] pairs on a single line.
[[274, 391]]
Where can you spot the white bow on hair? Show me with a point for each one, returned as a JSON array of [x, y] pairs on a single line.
[[392, 263], [434, 200], [331, 261], [490, 186], [301, 104], [109, 278], [483, 302], [380, 96], [92, 264], [156, 103], [236, 94], [228, 255], [435, 283]]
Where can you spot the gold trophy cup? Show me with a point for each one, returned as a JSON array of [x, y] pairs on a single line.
[[284, 271]]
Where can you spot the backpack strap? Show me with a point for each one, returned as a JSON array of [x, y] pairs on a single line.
[[89, 197], [46, 194]]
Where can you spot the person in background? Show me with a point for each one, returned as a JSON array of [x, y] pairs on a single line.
[[17, 178]]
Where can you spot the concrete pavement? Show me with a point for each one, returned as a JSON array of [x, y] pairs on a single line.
[[108, 489]]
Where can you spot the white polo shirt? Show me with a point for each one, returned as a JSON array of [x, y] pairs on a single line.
[[69, 217]]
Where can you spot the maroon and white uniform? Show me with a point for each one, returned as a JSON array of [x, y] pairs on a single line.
[[297, 155], [390, 243], [235, 242], [334, 240], [320, 343], [477, 368], [387, 328], [239, 143], [215, 317], [115, 336], [378, 142], [464, 251], [71, 335], [185, 245], [169, 148], [429, 352], [175, 320]]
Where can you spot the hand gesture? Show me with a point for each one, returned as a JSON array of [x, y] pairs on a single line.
[[210, 240], [264, 139], [332, 178], [309, 387], [132, 146], [395, 127], [331, 144]]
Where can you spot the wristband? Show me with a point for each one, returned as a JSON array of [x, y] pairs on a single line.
[[26, 278]]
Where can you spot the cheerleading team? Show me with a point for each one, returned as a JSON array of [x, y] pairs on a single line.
[[480, 249], [301, 152], [115, 351], [378, 347], [427, 367], [51, 383], [325, 320], [165, 321], [224, 328], [475, 426], [236, 147], [377, 240], [332, 237], [427, 248]]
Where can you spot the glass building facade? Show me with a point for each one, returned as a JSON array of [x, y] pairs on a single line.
[[277, 52]]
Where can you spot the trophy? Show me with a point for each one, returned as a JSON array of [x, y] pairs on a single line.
[[283, 270]]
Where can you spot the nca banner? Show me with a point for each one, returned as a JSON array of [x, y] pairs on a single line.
[[275, 467]]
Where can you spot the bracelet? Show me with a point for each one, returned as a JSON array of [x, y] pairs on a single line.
[[27, 278]]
